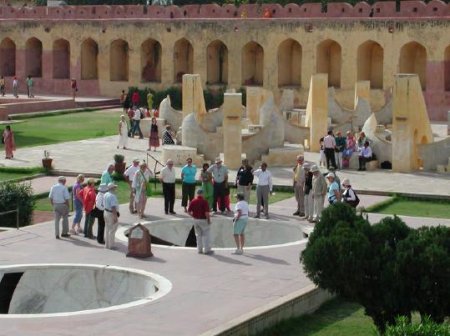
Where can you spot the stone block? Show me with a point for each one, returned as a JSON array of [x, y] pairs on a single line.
[[179, 155], [282, 156], [440, 168], [372, 165]]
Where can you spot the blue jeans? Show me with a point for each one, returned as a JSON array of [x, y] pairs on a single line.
[[78, 212], [136, 127]]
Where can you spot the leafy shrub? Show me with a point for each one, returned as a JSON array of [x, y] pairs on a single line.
[[13, 195], [388, 268], [403, 327], [423, 260]]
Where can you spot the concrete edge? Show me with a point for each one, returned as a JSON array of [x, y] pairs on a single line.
[[298, 303]]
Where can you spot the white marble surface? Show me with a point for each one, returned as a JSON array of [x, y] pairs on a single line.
[[258, 233], [60, 288]]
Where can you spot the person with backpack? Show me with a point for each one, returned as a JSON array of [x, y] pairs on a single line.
[[349, 195]]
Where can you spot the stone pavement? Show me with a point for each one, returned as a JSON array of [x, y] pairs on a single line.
[[92, 156], [208, 291]]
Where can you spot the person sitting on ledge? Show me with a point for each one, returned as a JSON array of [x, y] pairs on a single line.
[[365, 155]]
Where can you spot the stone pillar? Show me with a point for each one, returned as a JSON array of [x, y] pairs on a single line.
[[134, 64], [317, 110], [232, 139], [253, 104], [411, 125], [193, 100], [362, 90], [448, 122]]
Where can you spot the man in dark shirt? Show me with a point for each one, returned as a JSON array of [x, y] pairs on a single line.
[[199, 210], [244, 180]]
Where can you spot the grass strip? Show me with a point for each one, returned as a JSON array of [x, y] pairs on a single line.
[[336, 317]]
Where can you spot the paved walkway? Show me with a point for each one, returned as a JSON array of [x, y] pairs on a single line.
[[92, 156], [207, 290]]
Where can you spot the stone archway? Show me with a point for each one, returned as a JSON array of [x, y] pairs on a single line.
[[61, 59], [329, 61], [7, 57], [89, 59], [151, 61], [33, 57], [413, 59], [370, 64], [183, 59], [217, 63], [252, 64], [118, 61], [289, 63]]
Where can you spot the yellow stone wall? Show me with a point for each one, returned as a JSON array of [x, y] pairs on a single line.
[[303, 52]]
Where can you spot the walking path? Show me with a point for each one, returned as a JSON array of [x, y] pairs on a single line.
[[92, 156]]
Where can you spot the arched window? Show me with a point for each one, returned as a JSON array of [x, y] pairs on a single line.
[[252, 64], [7, 58], [289, 63], [89, 59], [118, 66], [61, 59], [329, 61], [413, 59], [370, 64], [33, 57], [217, 63], [151, 61], [183, 59]]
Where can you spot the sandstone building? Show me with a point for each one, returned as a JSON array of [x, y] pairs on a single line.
[[108, 48]]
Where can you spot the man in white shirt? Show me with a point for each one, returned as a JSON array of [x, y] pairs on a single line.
[[129, 177], [111, 215], [365, 155], [99, 212], [263, 188], [59, 199], [329, 144], [167, 178], [137, 124]]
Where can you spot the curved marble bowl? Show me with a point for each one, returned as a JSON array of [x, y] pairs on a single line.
[[70, 289], [259, 233]]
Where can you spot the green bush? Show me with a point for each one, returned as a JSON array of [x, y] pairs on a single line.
[[403, 327], [423, 260], [13, 195], [351, 258]]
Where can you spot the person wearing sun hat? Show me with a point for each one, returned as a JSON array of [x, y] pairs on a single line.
[[129, 175], [220, 175], [111, 215], [319, 190], [334, 192]]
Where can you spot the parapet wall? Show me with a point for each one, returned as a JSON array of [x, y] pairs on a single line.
[[383, 9]]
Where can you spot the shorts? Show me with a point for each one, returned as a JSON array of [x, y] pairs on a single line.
[[239, 225]]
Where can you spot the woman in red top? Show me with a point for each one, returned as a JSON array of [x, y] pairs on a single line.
[[88, 195], [135, 98], [8, 140]]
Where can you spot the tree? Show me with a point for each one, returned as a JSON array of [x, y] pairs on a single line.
[[424, 269], [347, 256]]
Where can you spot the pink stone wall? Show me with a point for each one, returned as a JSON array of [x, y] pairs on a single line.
[[410, 9]]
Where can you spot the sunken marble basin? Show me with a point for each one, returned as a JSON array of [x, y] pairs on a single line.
[[259, 233], [69, 289]]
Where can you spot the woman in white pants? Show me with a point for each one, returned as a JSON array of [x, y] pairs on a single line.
[[123, 133]]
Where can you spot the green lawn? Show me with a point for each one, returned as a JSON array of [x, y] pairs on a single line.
[[414, 207], [335, 318], [65, 127], [12, 173]]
